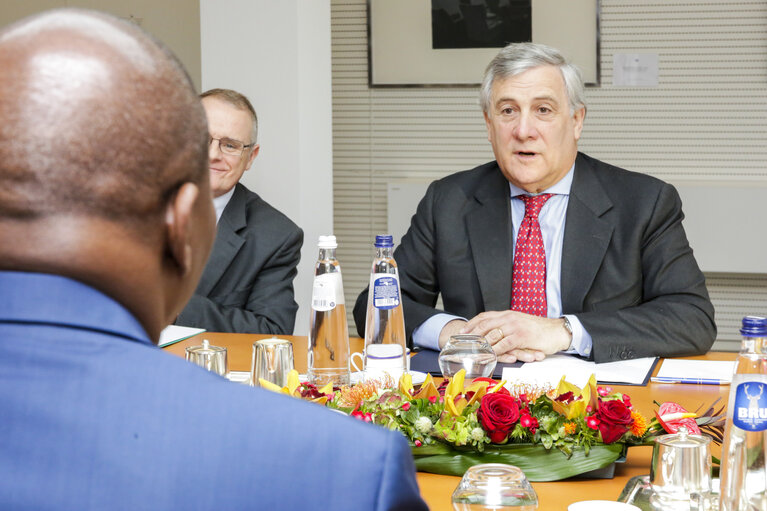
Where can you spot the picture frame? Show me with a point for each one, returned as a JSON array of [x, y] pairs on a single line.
[[400, 52]]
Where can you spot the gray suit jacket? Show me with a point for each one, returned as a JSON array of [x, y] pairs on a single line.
[[247, 285], [628, 272]]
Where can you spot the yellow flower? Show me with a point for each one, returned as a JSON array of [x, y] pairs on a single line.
[[570, 427], [576, 407], [639, 426], [292, 387]]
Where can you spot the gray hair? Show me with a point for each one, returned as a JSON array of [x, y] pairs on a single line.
[[239, 101], [516, 58]]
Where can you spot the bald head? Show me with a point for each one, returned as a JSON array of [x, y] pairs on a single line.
[[103, 162], [97, 119]]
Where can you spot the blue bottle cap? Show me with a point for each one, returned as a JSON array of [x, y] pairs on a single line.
[[384, 241], [754, 326]]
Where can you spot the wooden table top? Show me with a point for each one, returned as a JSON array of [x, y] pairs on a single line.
[[437, 489]]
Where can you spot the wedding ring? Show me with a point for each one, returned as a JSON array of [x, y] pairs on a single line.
[[500, 333]]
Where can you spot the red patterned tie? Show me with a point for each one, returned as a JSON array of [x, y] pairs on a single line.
[[528, 288]]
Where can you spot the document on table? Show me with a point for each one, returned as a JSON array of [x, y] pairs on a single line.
[[578, 371], [172, 334], [673, 370]]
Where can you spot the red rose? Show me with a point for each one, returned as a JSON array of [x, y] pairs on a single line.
[[497, 414], [614, 420]]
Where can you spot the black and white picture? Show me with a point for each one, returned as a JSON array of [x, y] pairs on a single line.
[[480, 23], [436, 43]]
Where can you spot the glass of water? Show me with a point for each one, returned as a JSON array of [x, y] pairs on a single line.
[[494, 486], [470, 352]]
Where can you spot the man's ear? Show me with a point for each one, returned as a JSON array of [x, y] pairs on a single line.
[[253, 154], [178, 215]]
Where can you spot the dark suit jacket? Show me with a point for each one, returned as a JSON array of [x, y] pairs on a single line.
[[93, 416], [628, 272], [247, 285]]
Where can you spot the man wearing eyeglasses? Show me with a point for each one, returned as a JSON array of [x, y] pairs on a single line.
[[247, 285]]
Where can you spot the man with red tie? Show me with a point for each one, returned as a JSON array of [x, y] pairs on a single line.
[[546, 249]]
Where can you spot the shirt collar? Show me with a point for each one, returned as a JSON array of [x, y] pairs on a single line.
[[220, 203], [561, 187]]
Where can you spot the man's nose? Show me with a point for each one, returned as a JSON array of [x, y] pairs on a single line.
[[214, 150], [526, 126]]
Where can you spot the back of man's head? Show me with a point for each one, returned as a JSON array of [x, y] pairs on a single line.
[[100, 129], [96, 119]]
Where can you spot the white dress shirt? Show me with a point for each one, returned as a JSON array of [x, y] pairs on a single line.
[[220, 203]]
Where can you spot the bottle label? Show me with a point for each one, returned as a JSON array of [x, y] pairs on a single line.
[[385, 291], [327, 291], [750, 406]]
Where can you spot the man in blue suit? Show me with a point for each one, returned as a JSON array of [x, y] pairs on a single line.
[[106, 221]]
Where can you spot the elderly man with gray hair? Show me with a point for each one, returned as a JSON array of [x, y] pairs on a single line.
[[546, 249]]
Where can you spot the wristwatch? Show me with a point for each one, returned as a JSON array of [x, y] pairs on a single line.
[[569, 329]]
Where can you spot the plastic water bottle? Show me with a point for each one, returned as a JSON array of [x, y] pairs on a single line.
[[743, 483], [328, 355], [385, 342]]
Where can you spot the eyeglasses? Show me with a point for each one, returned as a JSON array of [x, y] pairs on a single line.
[[230, 146]]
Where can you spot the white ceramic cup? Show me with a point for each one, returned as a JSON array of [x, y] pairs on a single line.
[[379, 359], [601, 505]]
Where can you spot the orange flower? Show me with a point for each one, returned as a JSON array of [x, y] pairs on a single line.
[[570, 428], [353, 396], [639, 426]]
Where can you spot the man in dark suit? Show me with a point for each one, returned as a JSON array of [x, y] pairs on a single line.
[[106, 220], [247, 285], [614, 275]]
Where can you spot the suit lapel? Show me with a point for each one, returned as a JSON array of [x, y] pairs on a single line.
[[587, 235], [227, 243], [489, 229]]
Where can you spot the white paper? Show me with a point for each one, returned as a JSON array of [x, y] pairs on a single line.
[[696, 369], [175, 333], [635, 69], [577, 371]]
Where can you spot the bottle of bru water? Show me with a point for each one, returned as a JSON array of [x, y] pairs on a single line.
[[385, 342], [328, 356], [743, 485]]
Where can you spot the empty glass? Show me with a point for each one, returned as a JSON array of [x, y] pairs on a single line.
[[494, 486], [470, 352], [212, 358]]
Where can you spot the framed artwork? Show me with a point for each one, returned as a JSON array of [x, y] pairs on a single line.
[[436, 43]]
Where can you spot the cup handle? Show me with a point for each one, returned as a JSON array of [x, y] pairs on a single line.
[[354, 365]]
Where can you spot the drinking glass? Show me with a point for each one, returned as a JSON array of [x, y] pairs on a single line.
[[212, 358], [470, 352], [272, 361], [494, 486]]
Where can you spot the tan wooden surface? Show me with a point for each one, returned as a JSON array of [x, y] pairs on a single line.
[[436, 489]]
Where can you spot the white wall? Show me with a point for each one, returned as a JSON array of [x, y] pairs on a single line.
[[277, 52]]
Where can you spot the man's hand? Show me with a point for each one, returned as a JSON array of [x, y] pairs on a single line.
[[451, 328], [519, 336]]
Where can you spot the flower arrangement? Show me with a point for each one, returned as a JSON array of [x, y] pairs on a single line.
[[551, 434]]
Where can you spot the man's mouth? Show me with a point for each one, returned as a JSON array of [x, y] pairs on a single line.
[[525, 154]]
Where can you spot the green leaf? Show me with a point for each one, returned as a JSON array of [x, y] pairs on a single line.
[[537, 463]]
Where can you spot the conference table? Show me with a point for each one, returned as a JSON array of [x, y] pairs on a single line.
[[437, 489]]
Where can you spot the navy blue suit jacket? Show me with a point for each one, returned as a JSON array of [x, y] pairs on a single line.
[[94, 416]]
